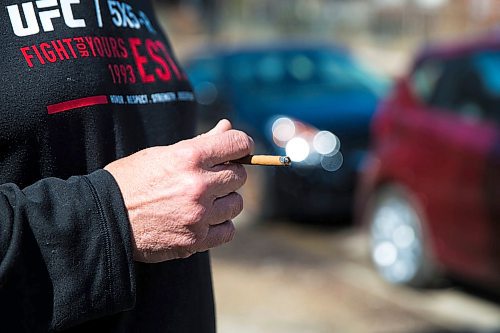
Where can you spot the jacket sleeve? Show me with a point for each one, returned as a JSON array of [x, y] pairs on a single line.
[[65, 252]]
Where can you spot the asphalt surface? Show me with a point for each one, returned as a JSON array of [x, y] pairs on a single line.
[[287, 277]]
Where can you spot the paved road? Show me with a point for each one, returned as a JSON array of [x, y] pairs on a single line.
[[283, 277]]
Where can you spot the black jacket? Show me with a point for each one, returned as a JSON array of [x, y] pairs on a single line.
[[83, 83]]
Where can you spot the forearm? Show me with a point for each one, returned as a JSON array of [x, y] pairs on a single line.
[[65, 245]]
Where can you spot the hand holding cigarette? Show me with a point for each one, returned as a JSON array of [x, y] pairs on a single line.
[[267, 160], [181, 198]]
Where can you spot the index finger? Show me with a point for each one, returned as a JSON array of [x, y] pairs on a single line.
[[224, 147]]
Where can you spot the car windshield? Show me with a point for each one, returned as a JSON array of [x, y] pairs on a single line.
[[302, 72]]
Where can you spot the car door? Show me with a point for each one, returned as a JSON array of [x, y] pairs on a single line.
[[460, 138]]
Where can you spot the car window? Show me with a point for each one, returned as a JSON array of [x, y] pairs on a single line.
[[446, 88], [345, 73], [467, 86], [204, 74], [271, 69], [424, 79], [302, 67], [318, 72], [204, 69]]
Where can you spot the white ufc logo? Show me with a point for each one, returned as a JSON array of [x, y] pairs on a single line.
[[47, 11]]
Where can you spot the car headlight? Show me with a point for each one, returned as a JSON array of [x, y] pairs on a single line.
[[283, 130], [297, 149], [306, 145]]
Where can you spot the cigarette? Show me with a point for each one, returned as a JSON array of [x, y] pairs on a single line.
[[268, 160]]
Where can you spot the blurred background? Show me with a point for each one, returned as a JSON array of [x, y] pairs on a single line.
[[389, 218]]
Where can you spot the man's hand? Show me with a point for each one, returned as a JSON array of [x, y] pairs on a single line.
[[181, 198]]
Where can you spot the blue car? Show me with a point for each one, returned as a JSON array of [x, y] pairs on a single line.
[[313, 103]]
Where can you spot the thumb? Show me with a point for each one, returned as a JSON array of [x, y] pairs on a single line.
[[222, 126]]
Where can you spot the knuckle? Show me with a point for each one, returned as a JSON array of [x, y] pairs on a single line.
[[197, 187], [195, 215], [241, 141], [190, 240], [190, 154], [232, 175]]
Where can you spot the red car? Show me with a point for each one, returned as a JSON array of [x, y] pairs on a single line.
[[430, 189]]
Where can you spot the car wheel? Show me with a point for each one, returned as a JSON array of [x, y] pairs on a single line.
[[399, 247]]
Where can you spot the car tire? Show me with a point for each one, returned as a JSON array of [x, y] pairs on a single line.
[[400, 248]]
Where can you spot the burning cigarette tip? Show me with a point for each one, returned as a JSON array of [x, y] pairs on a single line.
[[285, 160]]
